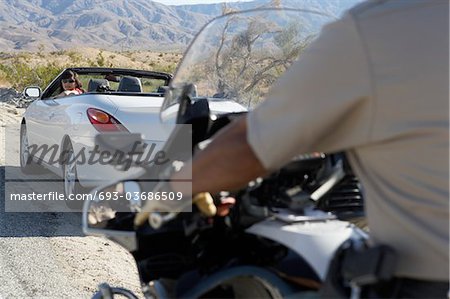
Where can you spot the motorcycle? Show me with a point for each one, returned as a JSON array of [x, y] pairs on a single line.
[[282, 234]]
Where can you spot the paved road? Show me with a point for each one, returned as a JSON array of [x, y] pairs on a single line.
[[44, 254]]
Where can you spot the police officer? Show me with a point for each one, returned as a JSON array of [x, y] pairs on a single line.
[[374, 84]]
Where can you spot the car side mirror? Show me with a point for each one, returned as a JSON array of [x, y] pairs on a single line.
[[33, 92]]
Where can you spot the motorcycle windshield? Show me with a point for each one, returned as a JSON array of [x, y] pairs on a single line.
[[238, 56]]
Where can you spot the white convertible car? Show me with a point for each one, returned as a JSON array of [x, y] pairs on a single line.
[[115, 100]]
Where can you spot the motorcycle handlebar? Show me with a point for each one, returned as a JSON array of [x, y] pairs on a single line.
[[203, 201]]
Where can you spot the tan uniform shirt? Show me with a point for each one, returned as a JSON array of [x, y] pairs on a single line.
[[376, 85]]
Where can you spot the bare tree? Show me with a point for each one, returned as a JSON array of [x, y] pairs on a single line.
[[248, 62]]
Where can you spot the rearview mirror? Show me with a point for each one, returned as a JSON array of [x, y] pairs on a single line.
[[176, 100], [188, 92]]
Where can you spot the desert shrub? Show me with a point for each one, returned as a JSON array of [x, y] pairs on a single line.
[[24, 56], [20, 74], [58, 53], [101, 61], [41, 49], [4, 79], [75, 57], [46, 73], [167, 68]]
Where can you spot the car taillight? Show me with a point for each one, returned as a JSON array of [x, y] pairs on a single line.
[[104, 122]]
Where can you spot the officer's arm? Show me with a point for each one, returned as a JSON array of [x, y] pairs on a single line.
[[228, 163]]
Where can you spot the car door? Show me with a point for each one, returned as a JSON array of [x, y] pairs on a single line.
[[58, 123], [38, 123]]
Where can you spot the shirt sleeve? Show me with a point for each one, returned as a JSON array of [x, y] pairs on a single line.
[[322, 103]]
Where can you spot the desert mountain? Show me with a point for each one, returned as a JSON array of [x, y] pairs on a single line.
[[34, 25]]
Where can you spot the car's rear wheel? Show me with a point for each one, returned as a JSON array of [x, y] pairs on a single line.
[[27, 165], [71, 184]]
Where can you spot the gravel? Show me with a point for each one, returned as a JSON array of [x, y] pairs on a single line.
[[45, 255]]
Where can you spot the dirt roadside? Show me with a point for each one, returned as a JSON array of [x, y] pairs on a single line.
[[46, 254]]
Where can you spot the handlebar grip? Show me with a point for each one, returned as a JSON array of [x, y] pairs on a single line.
[[140, 218], [205, 204]]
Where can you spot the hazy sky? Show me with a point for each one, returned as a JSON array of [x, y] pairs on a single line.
[[178, 2]]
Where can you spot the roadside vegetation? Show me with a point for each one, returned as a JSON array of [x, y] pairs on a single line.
[[21, 69]]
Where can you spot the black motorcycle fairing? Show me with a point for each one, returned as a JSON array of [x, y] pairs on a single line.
[[258, 252], [163, 253], [196, 113], [221, 121], [212, 244]]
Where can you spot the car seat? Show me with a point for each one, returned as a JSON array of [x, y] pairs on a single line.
[[95, 83], [130, 84]]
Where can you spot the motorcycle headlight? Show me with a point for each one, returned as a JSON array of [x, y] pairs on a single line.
[[111, 211], [106, 202]]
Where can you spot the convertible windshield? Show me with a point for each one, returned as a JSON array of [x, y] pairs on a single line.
[[240, 55]]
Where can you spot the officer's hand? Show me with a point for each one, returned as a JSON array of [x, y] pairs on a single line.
[[204, 202]]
